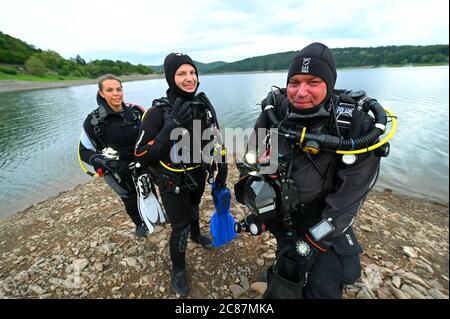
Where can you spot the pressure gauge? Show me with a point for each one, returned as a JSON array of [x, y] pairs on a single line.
[[302, 248]]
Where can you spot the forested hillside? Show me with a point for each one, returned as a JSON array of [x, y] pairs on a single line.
[[18, 57], [348, 57]]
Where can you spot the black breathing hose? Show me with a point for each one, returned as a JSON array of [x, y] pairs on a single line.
[[335, 142]]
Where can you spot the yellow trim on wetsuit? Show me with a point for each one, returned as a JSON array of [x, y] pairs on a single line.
[[178, 170]]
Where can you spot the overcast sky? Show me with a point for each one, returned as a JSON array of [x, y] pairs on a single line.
[[144, 31]]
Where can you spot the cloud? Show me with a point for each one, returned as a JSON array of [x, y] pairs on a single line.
[[219, 30]]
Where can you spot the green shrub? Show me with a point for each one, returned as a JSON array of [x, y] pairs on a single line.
[[8, 70], [35, 66]]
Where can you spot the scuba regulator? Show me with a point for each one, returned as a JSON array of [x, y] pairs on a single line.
[[275, 196], [348, 115]]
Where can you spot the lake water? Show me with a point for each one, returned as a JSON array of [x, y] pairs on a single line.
[[39, 130]]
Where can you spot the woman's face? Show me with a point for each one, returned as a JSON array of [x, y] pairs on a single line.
[[112, 93], [186, 78]]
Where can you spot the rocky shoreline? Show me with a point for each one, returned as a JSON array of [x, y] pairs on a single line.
[[19, 85], [81, 244]]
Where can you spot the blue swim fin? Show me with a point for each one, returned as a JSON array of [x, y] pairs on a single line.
[[222, 223]]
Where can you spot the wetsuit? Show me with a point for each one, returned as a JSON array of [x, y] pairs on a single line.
[[181, 192], [326, 187], [105, 128]]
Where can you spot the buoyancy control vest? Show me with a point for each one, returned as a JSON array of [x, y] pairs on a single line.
[[131, 117], [174, 176], [314, 173]]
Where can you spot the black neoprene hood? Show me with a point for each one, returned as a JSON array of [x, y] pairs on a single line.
[[171, 64], [315, 59]]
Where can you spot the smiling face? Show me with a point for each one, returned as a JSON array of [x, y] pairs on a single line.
[[186, 78], [306, 91], [113, 94]]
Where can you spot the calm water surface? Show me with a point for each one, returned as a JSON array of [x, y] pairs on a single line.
[[39, 130]]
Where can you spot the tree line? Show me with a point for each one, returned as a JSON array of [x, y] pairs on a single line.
[[348, 57], [17, 57]]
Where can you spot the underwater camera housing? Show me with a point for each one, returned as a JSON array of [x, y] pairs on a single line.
[[259, 196], [267, 197]]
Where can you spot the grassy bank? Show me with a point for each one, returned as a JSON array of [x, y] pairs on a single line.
[[49, 82], [44, 78]]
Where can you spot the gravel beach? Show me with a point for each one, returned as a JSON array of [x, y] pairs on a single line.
[[81, 244]]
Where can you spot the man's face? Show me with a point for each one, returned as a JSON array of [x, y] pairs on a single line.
[[305, 91]]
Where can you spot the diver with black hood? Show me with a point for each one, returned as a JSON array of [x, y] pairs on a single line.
[[180, 172], [321, 180]]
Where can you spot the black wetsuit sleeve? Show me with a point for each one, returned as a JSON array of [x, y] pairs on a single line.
[[353, 184], [151, 147], [88, 143]]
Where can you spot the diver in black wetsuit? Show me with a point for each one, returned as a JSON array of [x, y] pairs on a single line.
[[107, 143], [321, 191], [181, 183]]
